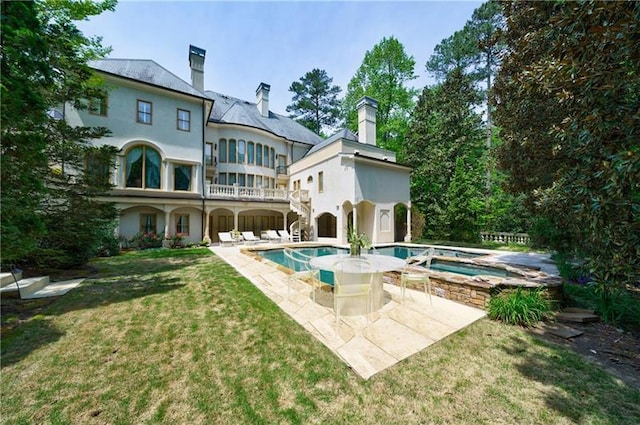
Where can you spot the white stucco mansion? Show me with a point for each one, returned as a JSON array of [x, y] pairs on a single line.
[[196, 162]]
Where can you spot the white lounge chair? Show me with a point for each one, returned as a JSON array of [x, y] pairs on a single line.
[[250, 237], [225, 238], [285, 235], [273, 236]]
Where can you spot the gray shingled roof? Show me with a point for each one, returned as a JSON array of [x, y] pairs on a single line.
[[340, 135], [146, 71], [230, 110]]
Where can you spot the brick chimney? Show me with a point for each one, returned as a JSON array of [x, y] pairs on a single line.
[[196, 62], [262, 99], [367, 108]]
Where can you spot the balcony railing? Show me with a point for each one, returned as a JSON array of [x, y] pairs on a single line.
[[239, 192], [281, 169]]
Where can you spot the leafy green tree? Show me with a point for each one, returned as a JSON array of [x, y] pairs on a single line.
[[44, 66], [567, 98], [475, 50], [464, 203], [444, 129], [455, 52], [383, 75], [315, 101]]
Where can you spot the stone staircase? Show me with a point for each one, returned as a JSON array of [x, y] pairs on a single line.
[[13, 285]]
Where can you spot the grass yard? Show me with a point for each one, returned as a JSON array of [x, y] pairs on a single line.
[[178, 336]]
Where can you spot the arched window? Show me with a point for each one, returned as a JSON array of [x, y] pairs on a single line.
[[143, 168]]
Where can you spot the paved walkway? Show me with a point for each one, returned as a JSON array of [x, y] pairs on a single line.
[[394, 332]]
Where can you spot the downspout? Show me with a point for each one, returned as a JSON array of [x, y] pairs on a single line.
[[203, 172]]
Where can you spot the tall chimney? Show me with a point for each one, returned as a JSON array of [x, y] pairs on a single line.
[[262, 98], [367, 108], [196, 62]]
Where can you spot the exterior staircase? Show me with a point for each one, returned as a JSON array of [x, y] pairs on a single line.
[[13, 285], [299, 203]]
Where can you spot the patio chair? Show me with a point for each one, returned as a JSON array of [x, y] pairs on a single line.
[[250, 237], [419, 276], [273, 236], [284, 235], [225, 238], [302, 270], [352, 279]]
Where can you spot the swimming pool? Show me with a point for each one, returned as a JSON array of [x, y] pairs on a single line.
[[403, 252]]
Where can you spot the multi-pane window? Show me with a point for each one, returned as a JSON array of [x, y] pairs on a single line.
[[144, 112], [241, 180], [265, 156], [98, 106], [142, 168], [184, 120], [241, 151], [232, 150], [258, 181], [97, 168], [182, 224], [249, 180], [250, 151], [321, 181], [148, 223], [222, 150], [259, 154], [208, 153], [222, 178], [232, 179], [182, 177], [272, 159]]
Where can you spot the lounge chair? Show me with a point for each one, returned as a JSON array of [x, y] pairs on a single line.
[[285, 235], [225, 238], [250, 237], [273, 236]]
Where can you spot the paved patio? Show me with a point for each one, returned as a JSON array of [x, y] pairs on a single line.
[[394, 332]]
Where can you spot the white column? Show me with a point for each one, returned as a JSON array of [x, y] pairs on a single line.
[[166, 179], [206, 237], [407, 237], [284, 218], [354, 224], [167, 217], [235, 219]]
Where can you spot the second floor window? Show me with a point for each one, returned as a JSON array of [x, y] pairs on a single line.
[[182, 177], [184, 120], [144, 112], [142, 168], [232, 150], [98, 106], [259, 154], [241, 151], [265, 160], [208, 153], [222, 153], [321, 181], [250, 151]]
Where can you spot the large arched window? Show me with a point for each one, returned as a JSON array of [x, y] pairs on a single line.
[[143, 168]]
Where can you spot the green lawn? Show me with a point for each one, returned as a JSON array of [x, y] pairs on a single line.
[[178, 336]]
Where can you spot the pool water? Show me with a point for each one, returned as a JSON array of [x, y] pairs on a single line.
[[403, 252]]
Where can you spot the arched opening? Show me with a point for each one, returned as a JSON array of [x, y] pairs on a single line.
[[400, 222], [327, 226]]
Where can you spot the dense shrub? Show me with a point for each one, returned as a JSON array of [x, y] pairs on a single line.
[[523, 307]]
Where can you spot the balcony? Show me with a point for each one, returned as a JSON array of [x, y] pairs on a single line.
[[219, 191], [282, 173]]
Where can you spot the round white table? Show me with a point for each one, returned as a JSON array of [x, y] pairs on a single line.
[[380, 265]]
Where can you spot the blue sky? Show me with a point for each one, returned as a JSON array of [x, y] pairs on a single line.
[[274, 42]]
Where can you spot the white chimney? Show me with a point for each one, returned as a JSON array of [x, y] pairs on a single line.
[[196, 62], [367, 108], [262, 98]]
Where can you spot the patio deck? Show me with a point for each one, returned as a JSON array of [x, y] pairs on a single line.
[[395, 332]]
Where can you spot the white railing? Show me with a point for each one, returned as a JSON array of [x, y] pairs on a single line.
[[238, 192], [504, 237], [296, 200]]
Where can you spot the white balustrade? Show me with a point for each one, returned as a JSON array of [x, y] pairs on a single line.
[[504, 237], [238, 192]]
